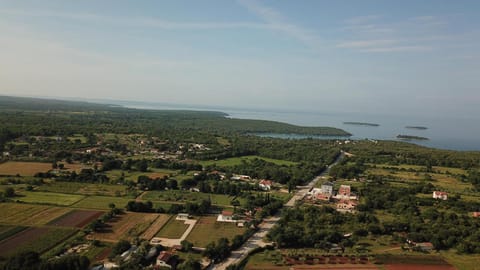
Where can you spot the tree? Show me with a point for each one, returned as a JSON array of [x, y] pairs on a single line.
[[189, 264], [186, 246], [120, 247], [9, 192], [23, 261]]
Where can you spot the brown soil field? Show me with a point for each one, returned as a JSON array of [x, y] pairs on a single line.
[[156, 175], [418, 267], [28, 214], [76, 218], [20, 238], [24, 168], [155, 227], [74, 167], [125, 226]]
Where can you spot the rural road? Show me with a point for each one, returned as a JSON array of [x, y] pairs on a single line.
[[256, 240]]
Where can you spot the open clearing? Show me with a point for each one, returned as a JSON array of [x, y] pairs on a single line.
[[155, 227], [76, 218], [180, 196], [208, 226], [39, 239], [24, 168], [125, 226], [229, 162], [174, 229], [49, 198], [84, 188], [418, 267], [102, 202], [133, 175], [27, 214]]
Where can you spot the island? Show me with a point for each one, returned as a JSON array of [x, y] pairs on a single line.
[[416, 127], [412, 137], [361, 124]]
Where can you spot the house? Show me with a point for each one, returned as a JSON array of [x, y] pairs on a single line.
[[265, 185], [440, 195], [183, 216], [225, 216], [327, 188], [323, 197], [166, 259], [346, 206], [344, 191]]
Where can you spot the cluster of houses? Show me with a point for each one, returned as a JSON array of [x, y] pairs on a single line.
[[345, 200], [263, 184]]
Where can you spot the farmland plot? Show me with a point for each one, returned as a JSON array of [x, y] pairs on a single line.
[[24, 168], [28, 214], [76, 218], [39, 239], [125, 226]]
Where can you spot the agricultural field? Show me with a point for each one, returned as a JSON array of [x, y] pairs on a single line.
[[39, 239], [174, 229], [155, 227], [76, 218], [462, 261], [102, 202], [84, 188], [208, 225], [188, 196], [125, 226], [24, 168], [229, 162], [48, 198], [28, 214], [443, 181], [114, 175], [7, 231]]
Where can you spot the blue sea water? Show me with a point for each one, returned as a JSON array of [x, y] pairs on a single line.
[[454, 133]]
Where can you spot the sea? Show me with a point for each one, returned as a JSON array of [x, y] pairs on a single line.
[[451, 133]]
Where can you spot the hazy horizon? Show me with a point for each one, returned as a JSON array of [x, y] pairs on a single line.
[[377, 57]]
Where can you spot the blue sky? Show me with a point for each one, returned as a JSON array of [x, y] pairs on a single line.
[[396, 57]]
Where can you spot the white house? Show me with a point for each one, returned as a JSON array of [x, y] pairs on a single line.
[[440, 195], [265, 184], [225, 216], [327, 188]]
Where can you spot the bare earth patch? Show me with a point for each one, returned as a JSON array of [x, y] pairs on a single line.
[[125, 226]]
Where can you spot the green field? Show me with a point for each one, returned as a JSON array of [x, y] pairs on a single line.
[[229, 162], [133, 175], [84, 188], [462, 261], [43, 242], [102, 202], [48, 198], [208, 226], [181, 196], [7, 231], [174, 229]]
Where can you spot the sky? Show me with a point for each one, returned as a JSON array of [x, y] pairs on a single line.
[[387, 57]]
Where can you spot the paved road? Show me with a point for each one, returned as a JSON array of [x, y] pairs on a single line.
[[257, 239]]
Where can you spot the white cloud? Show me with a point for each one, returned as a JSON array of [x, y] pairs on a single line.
[[137, 21], [366, 43], [277, 21]]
